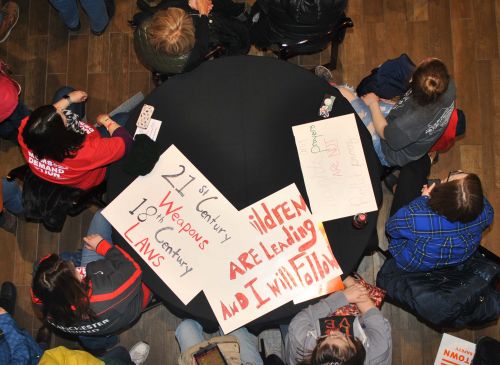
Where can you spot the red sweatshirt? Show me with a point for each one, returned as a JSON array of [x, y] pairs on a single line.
[[87, 169]]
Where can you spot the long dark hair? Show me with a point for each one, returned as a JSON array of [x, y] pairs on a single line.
[[64, 297], [458, 200], [325, 353], [47, 136]]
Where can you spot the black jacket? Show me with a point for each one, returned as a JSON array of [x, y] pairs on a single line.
[[453, 297], [115, 294]]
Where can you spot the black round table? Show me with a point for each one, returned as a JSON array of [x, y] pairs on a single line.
[[232, 118]]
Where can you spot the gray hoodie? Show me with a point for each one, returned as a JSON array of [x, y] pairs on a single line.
[[304, 329], [412, 129]]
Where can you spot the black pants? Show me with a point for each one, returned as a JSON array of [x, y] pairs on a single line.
[[411, 179]]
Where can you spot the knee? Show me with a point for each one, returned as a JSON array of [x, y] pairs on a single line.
[[61, 92], [188, 326]]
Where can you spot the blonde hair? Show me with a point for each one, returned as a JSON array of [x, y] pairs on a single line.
[[171, 31]]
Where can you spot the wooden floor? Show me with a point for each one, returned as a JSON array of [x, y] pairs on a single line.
[[464, 33]]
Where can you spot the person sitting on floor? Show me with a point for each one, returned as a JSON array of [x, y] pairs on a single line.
[[92, 294], [441, 227], [176, 36], [371, 344], [189, 335], [407, 130], [62, 149]]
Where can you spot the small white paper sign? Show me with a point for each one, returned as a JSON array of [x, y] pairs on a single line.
[[455, 351], [151, 131], [334, 168], [284, 256], [174, 218]]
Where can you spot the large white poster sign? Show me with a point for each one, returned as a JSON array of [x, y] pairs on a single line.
[[455, 351], [285, 256], [173, 218], [334, 168]]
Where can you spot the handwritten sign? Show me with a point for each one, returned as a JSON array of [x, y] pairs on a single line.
[[173, 218], [285, 255], [334, 168], [454, 351]]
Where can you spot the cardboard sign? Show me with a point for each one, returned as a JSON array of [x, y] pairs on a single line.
[[285, 255], [334, 168], [173, 218], [454, 351]]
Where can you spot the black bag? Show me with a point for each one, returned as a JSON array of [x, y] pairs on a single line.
[[453, 297]]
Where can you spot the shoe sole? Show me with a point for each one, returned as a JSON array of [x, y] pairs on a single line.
[[10, 30]]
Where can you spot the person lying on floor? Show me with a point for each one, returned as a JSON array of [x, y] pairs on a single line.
[[407, 130], [93, 294], [431, 227]]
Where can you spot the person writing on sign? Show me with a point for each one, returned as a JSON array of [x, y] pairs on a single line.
[[93, 294], [372, 342], [60, 148]]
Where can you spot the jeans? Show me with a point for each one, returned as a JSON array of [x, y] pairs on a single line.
[[365, 114], [190, 333], [98, 225], [9, 127], [77, 108], [12, 197], [95, 9]]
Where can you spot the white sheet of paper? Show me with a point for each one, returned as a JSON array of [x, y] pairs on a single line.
[[454, 350], [173, 218], [152, 130], [334, 168], [285, 254]]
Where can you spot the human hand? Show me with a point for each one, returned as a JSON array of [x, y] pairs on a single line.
[[346, 93], [356, 293], [349, 281], [92, 241], [204, 7], [104, 120], [426, 190], [78, 96], [370, 98]]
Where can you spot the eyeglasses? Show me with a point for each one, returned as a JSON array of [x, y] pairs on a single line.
[[453, 173]]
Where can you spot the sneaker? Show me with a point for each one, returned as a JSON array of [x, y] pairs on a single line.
[[324, 73], [10, 13], [139, 353], [8, 295], [8, 221], [270, 343]]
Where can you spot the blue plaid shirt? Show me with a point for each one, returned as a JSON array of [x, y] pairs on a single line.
[[422, 240]]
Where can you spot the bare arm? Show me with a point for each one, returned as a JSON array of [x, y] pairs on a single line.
[[378, 119], [76, 96]]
